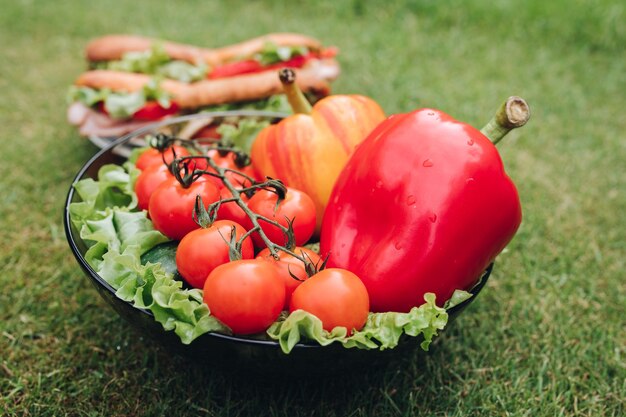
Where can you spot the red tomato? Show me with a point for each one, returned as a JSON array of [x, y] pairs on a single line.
[[235, 68], [152, 110], [208, 132], [171, 205], [288, 263], [231, 211], [251, 66], [198, 162], [153, 156], [245, 295], [148, 181], [336, 296], [228, 161], [297, 206], [202, 250]]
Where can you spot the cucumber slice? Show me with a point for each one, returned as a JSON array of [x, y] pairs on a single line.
[[165, 254]]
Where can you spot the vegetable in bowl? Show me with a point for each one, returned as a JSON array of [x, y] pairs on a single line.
[[134, 265], [113, 239], [118, 234]]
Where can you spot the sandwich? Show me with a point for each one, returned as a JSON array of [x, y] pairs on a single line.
[[133, 81]]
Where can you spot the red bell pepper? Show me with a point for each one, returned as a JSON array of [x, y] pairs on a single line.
[[423, 205]]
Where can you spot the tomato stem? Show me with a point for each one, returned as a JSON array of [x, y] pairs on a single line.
[[513, 113], [254, 217], [200, 214], [182, 169], [184, 172], [162, 142], [295, 96]]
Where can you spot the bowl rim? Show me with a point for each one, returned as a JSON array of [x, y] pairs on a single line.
[[67, 223]]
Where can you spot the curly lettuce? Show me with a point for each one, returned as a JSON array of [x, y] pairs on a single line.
[[118, 235], [120, 105], [381, 331], [277, 103], [156, 61], [273, 53]]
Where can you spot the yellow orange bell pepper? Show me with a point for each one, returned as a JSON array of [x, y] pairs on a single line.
[[308, 149]]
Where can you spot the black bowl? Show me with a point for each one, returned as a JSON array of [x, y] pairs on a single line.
[[220, 350]]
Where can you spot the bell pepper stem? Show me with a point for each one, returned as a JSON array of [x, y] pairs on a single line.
[[295, 97], [513, 113]]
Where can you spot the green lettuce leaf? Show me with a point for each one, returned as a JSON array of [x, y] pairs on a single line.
[[183, 71], [273, 53], [150, 287], [153, 91], [457, 298], [277, 103], [145, 62], [381, 331], [120, 105], [113, 188], [242, 135], [156, 61], [117, 236], [123, 106], [88, 96]]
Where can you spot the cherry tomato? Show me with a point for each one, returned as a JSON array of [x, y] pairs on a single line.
[[200, 163], [208, 132], [228, 161], [202, 250], [245, 295], [336, 296], [148, 181], [288, 264], [153, 156], [171, 205], [297, 206], [230, 210]]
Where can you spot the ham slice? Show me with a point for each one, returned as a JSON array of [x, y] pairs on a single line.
[[93, 123], [76, 113]]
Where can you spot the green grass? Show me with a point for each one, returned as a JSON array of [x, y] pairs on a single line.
[[546, 337]]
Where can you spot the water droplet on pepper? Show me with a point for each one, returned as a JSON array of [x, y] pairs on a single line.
[[427, 163]]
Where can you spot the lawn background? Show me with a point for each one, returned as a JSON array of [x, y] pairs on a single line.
[[546, 337]]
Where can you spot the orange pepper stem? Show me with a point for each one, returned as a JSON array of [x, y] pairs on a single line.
[[295, 96], [513, 113]]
